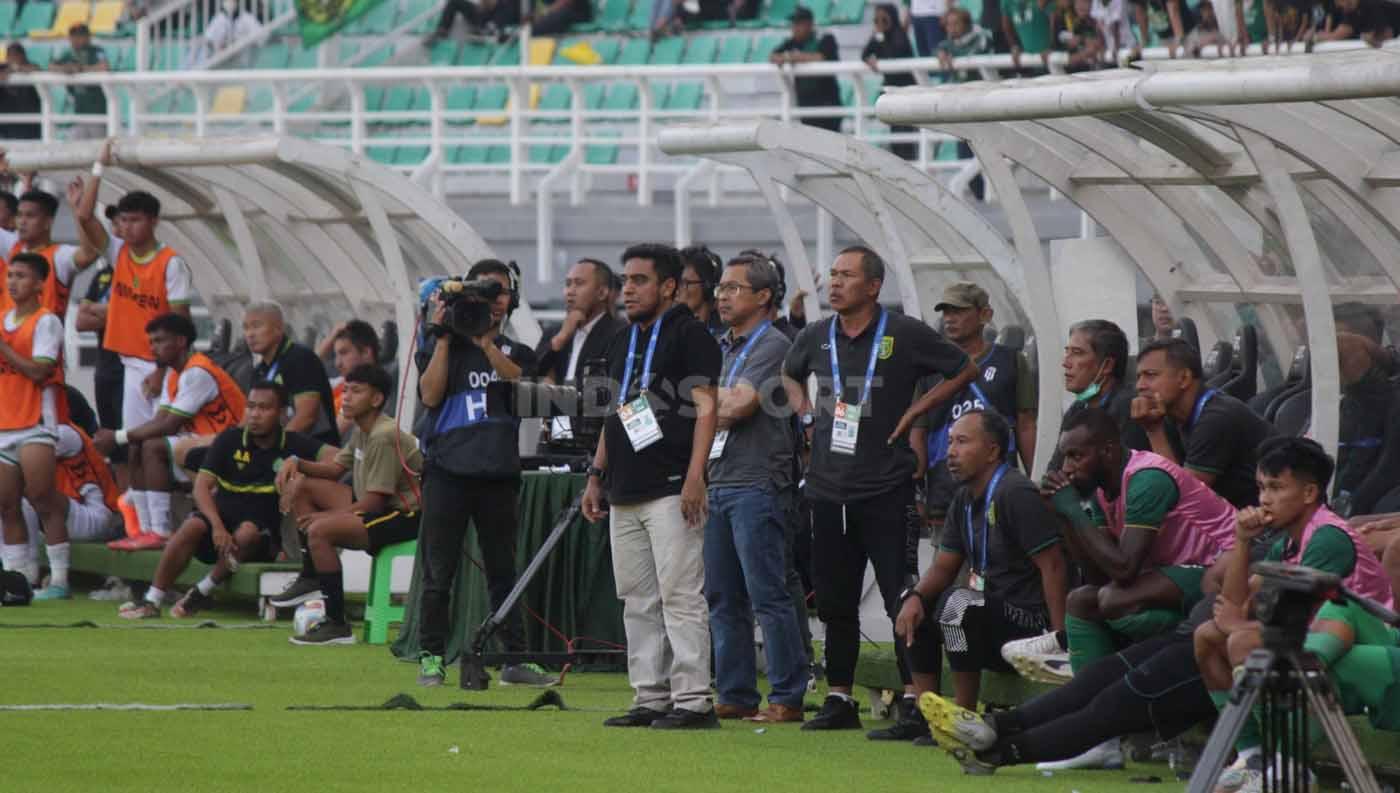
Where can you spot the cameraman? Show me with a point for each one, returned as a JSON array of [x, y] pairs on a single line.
[[472, 468]]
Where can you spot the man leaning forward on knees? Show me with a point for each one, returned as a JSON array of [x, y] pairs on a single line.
[[1017, 584], [650, 466], [380, 508], [860, 483], [745, 537]]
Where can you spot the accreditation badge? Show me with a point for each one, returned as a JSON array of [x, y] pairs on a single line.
[[717, 448], [639, 422], [845, 426]]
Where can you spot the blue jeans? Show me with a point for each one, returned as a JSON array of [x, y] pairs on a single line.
[[928, 34], [745, 576]]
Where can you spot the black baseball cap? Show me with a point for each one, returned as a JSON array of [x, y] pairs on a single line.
[[801, 14]]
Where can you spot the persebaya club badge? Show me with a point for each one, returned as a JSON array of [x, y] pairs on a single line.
[[886, 347]]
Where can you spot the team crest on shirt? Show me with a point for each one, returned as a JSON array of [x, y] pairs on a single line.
[[886, 347], [242, 458], [989, 373]]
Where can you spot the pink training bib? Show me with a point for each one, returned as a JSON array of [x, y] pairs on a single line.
[[1367, 578], [1196, 531]]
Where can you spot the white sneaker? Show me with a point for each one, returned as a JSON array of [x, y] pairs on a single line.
[[1039, 658], [112, 589], [1253, 781], [1107, 756]]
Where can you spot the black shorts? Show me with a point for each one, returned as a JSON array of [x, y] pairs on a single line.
[[194, 459], [975, 625], [389, 528], [268, 542]]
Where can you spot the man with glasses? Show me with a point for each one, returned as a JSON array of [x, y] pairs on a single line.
[[698, 280]]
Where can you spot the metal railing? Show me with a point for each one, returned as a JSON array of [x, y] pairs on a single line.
[[172, 36]]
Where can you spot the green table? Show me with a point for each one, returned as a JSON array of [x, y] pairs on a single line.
[[574, 591]]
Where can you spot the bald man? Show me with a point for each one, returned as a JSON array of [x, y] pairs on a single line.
[[295, 367]]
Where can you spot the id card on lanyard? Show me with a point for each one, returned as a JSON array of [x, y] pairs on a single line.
[[722, 436], [638, 419], [845, 425], [977, 576]]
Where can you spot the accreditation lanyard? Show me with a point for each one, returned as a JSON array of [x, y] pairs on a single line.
[[1200, 406], [722, 437], [845, 425], [638, 420], [977, 578]]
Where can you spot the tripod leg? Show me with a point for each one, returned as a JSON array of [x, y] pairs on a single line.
[[1322, 703], [1232, 718]]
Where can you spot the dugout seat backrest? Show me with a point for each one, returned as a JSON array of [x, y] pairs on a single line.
[[1012, 337], [1186, 329], [1294, 414], [1260, 402], [1246, 371], [1217, 364], [1303, 363]]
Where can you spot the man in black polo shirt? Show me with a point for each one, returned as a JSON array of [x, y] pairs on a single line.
[[1220, 432], [651, 459], [1000, 526], [236, 517], [860, 480], [805, 46], [293, 366], [471, 473]]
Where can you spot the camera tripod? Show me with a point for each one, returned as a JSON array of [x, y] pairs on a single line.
[[1288, 684], [476, 659]]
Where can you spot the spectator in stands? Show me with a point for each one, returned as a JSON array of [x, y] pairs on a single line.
[[198, 401], [279, 359], [1206, 33], [9, 208], [586, 334], [554, 17], [354, 344], [148, 280], [1368, 20], [1026, 25], [18, 99], [33, 234], [487, 17], [1180, 19], [926, 21], [806, 46], [236, 517], [380, 507], [1149, 531], [667, 18], [652, 464], [84, 56], [750, 466], [698, 281], [472, 473], [31, 344], [1115, 29], [964, 38], [1220, 432], [1163, 323], [860, 482], [1076, 34], [890, 42], [1018, 579], [229, 26]]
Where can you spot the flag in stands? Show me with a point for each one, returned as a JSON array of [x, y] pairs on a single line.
[[322, 18]]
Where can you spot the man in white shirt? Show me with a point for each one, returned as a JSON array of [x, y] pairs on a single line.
[[584, 336]]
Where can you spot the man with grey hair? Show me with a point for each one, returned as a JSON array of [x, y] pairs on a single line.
[[278, 359], [745, 536]]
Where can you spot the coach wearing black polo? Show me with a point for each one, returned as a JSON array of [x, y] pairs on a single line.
[[860, 481]]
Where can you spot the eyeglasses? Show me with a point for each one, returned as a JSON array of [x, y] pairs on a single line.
[[731, 289]]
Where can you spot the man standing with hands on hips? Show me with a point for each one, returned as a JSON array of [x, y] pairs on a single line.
[[745, 538], [860, 481], [651, 458]]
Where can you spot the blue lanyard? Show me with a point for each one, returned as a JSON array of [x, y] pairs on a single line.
[[1200, 405], [986, 507], [837, 384], [646, 362], [744, 353]]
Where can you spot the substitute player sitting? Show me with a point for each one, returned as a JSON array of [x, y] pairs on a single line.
[[236, 518], [31, 338], [198, 401], [385, 463]]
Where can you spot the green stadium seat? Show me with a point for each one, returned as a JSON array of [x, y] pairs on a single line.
[[384, 155], [349, 48], [377, 21], [593, 95], [508, 55], [9, 10], [764, 47], [702, 49], [413, 8], [635, 52], [621, 96], [403, 98], [778, 13], [667, 51], [974, 7], [498, 154], [443, 52], [601, 153], [259, 100], [273, 55], [40, 53], [613, 17], [414, 154], [821, 12], [491, 98], [849, 12], [716, 24], [545, 153], [302, 58], [555, 98], [122, 57], [685, 96], [607, 49], [459, 98], [734, 50], [378, 57], [35, 15], [640, 18], [475, 53]]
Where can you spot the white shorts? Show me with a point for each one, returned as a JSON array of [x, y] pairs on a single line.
[[177, 472], [11, 441], [136, 408], [86, 523]]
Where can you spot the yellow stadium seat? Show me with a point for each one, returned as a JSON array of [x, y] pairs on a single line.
[[542, 51], [72, 12], [105, 16], [229, 101]]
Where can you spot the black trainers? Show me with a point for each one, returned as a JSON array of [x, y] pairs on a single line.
[[836, 714], [925, 740], [637, 717], [682, 719], [909, 724], [326, 632], [527, 675], [298, 592]]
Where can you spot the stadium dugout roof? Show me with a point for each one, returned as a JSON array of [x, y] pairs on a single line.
[[327, 233], [1268, 182]]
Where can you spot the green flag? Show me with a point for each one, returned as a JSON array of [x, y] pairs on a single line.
[[322, 18]]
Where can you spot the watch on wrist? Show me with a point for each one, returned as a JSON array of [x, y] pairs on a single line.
[[594, 470], [911, 592]]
